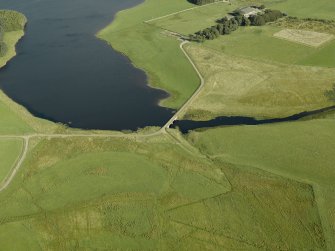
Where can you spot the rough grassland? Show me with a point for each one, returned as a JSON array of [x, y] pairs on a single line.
[[152, 51], [238, 86], [150, 195], [194, 20], [303, 151], [310, 38], [9, 151]]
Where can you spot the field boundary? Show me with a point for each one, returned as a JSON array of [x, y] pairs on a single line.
[[181, 11], [330, 38]]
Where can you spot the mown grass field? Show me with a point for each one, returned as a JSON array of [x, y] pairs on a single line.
[[302, 151], [151, 195], [152, 51], [10, 149], [239, 86], [322, 58]]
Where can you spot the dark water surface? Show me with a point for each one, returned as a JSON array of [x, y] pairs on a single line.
[[65, 74], [187, 125]]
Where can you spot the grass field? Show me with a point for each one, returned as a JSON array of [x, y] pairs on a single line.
[[308, 9], [150, 194], [163, 61], [259, 43], [10, 149], [239, 86], [321, 58], [302, 151]]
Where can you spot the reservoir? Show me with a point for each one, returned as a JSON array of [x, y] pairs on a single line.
[[65, 74]]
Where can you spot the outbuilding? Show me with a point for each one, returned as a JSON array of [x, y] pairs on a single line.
[[248, 11]]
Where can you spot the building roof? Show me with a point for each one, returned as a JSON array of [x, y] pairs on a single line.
[[247, 10]]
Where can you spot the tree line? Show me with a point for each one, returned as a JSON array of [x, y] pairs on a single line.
[[202, 2], [10, 21], [228, 25]]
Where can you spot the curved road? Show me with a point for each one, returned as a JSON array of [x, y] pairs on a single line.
[[195, 94], [5, 183]]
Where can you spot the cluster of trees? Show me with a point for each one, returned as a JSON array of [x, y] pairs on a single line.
[[224, 26], [227, 26], [266, 17], [10, 21], [202, 2]]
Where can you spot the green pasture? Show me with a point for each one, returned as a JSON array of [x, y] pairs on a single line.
[[301, 150], [304, 9], [10, 150], [323, 57]]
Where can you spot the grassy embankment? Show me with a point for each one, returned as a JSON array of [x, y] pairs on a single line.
[[151, 50]]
